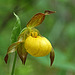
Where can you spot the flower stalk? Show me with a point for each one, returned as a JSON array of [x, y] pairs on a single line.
[[14, 63]]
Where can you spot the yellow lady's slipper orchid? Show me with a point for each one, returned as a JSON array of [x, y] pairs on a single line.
[[37, 46], [30, 41]]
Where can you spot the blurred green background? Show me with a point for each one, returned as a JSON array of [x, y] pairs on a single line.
[[59, 28]]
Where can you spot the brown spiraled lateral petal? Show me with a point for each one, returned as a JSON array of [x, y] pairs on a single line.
[[6, 58], [22, 52], [52, 56], [36, 20], [47, 12], [12, 48]]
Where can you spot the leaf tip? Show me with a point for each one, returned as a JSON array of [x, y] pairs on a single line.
[[14, 14]]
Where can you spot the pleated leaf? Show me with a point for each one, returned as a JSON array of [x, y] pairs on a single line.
[[16, 30]]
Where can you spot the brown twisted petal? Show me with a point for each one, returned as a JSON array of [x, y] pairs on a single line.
[[12, 48], [22, 52], [52, 56], [6, 58]]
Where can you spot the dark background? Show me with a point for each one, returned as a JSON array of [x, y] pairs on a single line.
[[59, 28]]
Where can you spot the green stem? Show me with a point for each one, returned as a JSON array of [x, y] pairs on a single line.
[[14, 63]]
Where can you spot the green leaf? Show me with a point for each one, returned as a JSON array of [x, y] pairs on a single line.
[[16, 30]]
